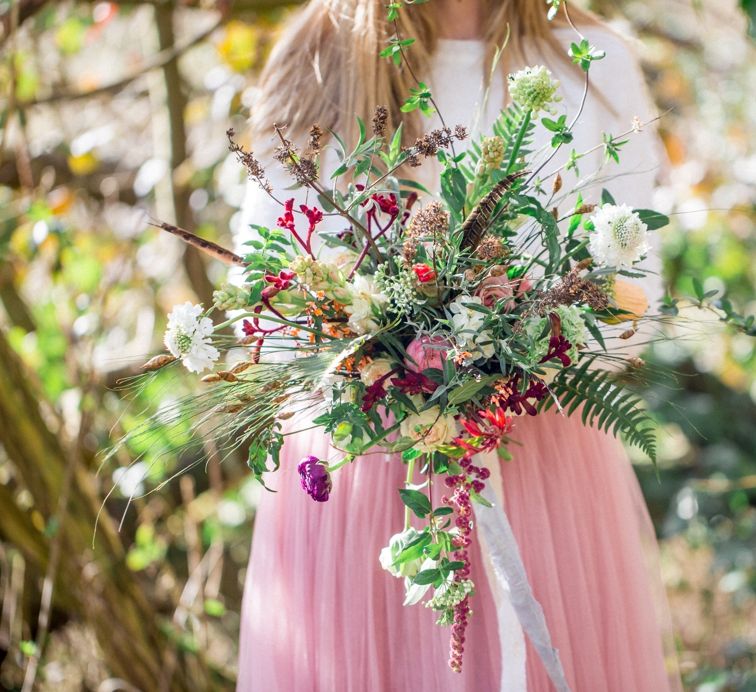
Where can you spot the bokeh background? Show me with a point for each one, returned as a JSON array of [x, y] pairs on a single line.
[[114, 110]]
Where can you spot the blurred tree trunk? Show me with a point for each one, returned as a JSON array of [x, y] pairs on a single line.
[[175, 103], [92, 579]]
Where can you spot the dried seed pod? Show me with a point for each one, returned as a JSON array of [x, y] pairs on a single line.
[[212, 377], [241, 366], [636, 362], [231, 408], [158, 362], [584, 209], [557, 184], [227, 376]]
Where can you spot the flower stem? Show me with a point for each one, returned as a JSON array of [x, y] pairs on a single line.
[[408, 481], [518, 141]]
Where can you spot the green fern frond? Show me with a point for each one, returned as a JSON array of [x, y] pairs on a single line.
[[605, 404], [507, 126]]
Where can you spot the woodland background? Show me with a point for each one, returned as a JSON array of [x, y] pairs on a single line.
[[113, 109]]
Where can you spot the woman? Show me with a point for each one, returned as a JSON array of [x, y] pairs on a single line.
[[319, 613]]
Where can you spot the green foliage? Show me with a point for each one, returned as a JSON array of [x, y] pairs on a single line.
[[420, 98], [583, 54], [605, 404], [418, 502]]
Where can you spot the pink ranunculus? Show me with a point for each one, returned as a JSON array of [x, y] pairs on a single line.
[[495, 288], [426, 352]]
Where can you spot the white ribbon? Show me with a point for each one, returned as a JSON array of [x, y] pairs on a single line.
[[515, 598]]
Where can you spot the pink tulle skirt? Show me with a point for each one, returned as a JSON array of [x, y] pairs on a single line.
[[320, 615]]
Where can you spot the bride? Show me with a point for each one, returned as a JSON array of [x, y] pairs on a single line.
[[319, 613]]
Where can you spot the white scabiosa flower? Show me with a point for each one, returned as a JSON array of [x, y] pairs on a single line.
[[619, 238], [188, 337], [533, 88], [365, 303]]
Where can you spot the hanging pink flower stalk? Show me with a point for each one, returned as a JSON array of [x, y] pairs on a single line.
[[471, 480], [315, 479]]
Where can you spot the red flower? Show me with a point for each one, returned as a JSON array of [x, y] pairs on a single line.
[[282, 280], [415, 383], [486, 429], [424, 273], [286, 221]]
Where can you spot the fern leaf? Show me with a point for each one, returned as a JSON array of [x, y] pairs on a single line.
[[605, 404]]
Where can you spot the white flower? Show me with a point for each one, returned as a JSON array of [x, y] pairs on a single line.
[[620, 237], [365, 303], [188, 337], [374, 370], [468, 327], [397, 543], [429, 429], [534, 89]]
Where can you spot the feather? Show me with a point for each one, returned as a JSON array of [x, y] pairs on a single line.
[[207, 246], [476, 223]]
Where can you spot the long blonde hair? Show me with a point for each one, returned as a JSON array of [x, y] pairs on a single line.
[[326, 67]]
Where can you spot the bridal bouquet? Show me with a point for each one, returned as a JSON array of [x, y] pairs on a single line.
[[425, 328]]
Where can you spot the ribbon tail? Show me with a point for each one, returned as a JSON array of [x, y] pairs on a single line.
[[509, 570]]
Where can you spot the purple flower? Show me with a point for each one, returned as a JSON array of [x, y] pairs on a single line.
[[315, 479]]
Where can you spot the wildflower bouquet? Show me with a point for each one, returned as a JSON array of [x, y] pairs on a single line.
[[427, 326], [424, 329]]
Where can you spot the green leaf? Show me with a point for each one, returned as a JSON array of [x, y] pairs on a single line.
[[652, 219], [427, 576], [606, 197], [416, 501], [410, 454], [479, 499], [469, 389], [413, 550]]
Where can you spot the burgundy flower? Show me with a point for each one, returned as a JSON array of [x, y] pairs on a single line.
[[510, 398], [415, 383], [386, 203], [315, 479], [376, 391], [558, 347]]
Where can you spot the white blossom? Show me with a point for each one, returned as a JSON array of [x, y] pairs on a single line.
[[533, 88], [365, 303], [619, 238], [188, 337], [468, 327], [397, 543]]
